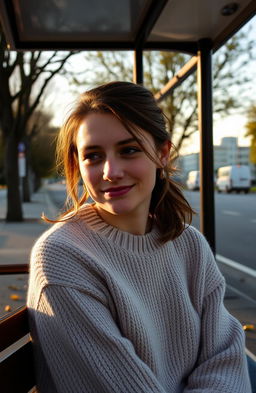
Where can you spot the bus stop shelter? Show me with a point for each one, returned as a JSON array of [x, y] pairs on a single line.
[[195, 27]]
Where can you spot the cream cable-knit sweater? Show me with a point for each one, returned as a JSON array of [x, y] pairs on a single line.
[[119, 313]]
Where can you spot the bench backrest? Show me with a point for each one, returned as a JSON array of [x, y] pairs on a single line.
[[16, 357]]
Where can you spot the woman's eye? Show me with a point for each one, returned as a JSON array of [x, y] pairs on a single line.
[[92, 157], [129, 150]]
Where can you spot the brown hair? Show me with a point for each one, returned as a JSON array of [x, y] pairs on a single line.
[[136, 108]]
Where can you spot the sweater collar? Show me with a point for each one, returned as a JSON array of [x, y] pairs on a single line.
[[134, 243]]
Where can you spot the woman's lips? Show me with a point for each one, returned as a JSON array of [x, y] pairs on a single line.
[[117, 191]]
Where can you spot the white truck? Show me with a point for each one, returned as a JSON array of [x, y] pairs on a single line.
[[193, 180], [234, 178]]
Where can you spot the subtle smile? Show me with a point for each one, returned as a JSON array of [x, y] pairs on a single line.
[[117, 191]]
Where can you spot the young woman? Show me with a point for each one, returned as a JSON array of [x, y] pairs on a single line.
[[124, 296]]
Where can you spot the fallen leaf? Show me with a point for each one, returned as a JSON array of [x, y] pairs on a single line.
[[13, 287], [249, 327], [15, 297]]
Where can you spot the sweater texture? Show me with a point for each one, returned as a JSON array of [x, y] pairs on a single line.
[[112, 312]]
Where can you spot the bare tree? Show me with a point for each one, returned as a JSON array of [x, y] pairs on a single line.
[[42, 161], [230, 83], [23, 80], [38, 124]]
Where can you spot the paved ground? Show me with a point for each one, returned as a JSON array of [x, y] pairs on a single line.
[[16, 240]]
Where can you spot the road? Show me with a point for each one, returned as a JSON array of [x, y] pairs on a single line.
[[235, 218]]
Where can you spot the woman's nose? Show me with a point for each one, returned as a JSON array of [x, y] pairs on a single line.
[[112, 170]]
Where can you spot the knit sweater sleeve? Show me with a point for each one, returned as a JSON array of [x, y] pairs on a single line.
[[221, 365], [83, 347]]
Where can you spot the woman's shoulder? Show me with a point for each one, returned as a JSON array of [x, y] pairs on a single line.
[[200, 258], [56, 234], [193, 238], [64, 255], [63, 232], [62, 246]]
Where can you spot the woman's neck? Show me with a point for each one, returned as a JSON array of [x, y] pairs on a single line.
[[127, 223]]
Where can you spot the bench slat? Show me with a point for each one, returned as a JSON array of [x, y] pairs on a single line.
[[17, 371], [13, 327], [14, 269]]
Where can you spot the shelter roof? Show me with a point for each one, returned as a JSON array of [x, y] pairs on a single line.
[[121, 24]]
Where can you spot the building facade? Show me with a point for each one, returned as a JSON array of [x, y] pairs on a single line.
[[227, 153]]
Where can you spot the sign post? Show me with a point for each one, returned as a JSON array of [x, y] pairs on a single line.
[[21, 165]]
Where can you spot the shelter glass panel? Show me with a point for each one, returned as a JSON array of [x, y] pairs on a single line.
[[79, 20]]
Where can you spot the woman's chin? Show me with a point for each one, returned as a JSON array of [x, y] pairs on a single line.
[[115, 208]]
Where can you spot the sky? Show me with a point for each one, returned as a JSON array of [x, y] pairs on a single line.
[[229, 126]]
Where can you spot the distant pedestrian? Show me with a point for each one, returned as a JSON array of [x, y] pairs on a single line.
[[124, 295]]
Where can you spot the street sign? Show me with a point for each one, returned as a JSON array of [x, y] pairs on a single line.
[[21, 147], [22, 164]]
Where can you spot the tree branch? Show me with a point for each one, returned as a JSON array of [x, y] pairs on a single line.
[[46, 81]]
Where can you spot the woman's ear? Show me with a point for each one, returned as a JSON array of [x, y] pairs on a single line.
[[164, 153]]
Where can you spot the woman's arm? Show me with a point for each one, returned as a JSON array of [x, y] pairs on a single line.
[[222, 365], [83, 347]]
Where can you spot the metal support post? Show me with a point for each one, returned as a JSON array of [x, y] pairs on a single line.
[[207, 215], [138, 66]]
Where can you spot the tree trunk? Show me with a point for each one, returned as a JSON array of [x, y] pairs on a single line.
[[14, 206], [26, 187]]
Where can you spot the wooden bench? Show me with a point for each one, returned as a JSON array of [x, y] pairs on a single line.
[[16, 357]]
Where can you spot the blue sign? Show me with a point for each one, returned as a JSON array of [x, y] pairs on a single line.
[[21, 147]]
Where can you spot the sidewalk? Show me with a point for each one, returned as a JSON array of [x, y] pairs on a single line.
[[16, 241]]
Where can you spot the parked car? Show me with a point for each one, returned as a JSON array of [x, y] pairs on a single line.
[[234, 178], [193, 180]]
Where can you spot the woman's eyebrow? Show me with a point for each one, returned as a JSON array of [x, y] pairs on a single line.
[[125, 141], [120, 143]]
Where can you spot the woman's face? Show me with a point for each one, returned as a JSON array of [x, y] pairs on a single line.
[[117, 173]]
